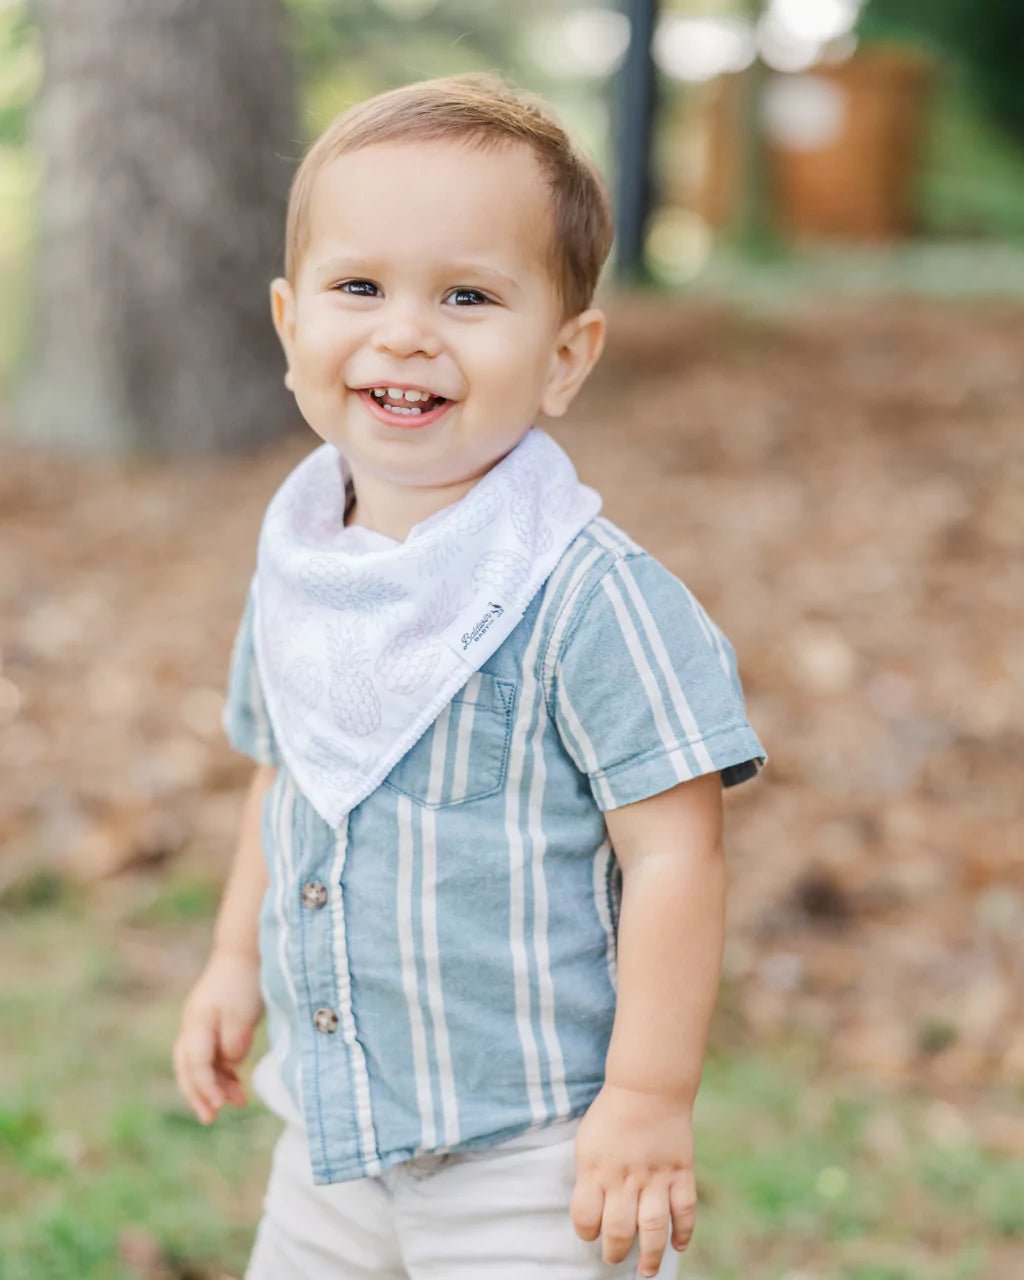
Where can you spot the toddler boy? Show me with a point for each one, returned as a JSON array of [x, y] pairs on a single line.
[[479, 886]]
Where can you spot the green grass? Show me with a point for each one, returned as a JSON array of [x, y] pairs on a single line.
[[953, 270], [788, 1174], [94, 1140]]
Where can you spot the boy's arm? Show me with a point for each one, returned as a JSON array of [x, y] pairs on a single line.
[[670, 938], [237, 926], [635, 1145], [225, 1005]]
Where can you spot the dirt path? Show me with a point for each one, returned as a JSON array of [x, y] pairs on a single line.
[[841, 489]]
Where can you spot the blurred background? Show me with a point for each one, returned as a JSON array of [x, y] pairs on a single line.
[[809, 408]]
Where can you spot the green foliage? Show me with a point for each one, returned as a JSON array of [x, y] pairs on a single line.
[[973, 182], [985, 39], [347, 52], [20, 71], [934, 21]]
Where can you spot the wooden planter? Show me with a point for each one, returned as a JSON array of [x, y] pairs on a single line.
[[844, 145]]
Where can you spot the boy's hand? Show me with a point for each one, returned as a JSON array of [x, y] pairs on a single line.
[[219, 1017], [634, 1167]]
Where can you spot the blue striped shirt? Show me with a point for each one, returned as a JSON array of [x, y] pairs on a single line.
[[440, 970]]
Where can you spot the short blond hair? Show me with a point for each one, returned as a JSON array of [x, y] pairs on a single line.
[[486, 111]]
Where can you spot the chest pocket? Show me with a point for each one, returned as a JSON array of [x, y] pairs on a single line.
[[464, 754]]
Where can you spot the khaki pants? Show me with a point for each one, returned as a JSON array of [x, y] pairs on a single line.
[[497, 1214]]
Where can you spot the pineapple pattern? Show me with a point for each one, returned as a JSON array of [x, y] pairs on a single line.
[[365, 638], [563, 502], [335, 767], [338, 587], [526, 510], [480, 508], [408, 660], [502, 571], [355, 705], [302, 681], [283, 626]]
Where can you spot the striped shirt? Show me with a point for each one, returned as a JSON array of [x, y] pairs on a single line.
[[439, 970]]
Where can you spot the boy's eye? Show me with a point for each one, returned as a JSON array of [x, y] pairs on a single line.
[[360, 294], [365, 288], [473, 293]]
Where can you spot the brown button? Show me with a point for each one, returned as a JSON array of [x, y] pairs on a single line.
[[314, 895], [325, 1020]]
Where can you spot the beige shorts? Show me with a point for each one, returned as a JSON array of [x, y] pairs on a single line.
[[501, 1213]]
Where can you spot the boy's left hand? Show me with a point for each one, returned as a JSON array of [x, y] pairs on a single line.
[[634, 1168]]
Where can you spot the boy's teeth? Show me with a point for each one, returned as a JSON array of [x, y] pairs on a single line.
[[396, 393]]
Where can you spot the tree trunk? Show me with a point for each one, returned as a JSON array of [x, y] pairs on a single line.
[[166, 136], [637, 120], [754, 230]]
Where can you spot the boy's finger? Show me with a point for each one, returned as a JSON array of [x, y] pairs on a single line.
[[682, 1199], [652, 1218], [235, 1038], [199, 1048], [235, 1093], [585, 1208], [183, 1077], [618, 1224], [231, 1085]]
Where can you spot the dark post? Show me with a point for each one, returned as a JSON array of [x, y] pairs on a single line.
[[636, 104]]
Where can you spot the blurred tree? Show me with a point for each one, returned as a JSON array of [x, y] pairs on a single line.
[[165, 132], [753, 228]]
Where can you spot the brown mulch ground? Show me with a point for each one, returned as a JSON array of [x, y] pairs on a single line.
[[842, 489]]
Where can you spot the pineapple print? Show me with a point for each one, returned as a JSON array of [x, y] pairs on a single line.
[[563, 502], [504, 571], [287, 622], [408, 660], [303, 682], [353, 698], [335, 767], [328, 582], [527, 518], [479, 509], [475, 512]]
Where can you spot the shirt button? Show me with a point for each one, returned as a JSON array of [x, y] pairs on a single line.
[[314, 895], [325, 1020]]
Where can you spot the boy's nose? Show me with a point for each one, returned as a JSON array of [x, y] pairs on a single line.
[[406, 331]]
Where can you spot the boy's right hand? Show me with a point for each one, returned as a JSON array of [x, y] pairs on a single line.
[[220, 1014]]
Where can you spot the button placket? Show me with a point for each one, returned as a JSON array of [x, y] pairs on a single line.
[[325, 1020], [314, 895]]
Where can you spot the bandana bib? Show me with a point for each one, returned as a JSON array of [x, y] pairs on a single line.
[[361, 641]]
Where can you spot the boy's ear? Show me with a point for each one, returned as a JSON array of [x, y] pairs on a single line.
[[282, 312], [578, 347]]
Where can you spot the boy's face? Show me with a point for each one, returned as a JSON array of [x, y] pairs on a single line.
[[424, 269]]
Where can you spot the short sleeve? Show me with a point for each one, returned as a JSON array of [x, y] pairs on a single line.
[[245, 719], [645, 691]]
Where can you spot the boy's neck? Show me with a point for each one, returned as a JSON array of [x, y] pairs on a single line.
[[392, 510]]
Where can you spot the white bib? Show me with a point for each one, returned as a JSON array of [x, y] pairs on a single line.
[[361, 641]]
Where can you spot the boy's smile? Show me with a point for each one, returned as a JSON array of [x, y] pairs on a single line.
[[426, 271], [416, 406]]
